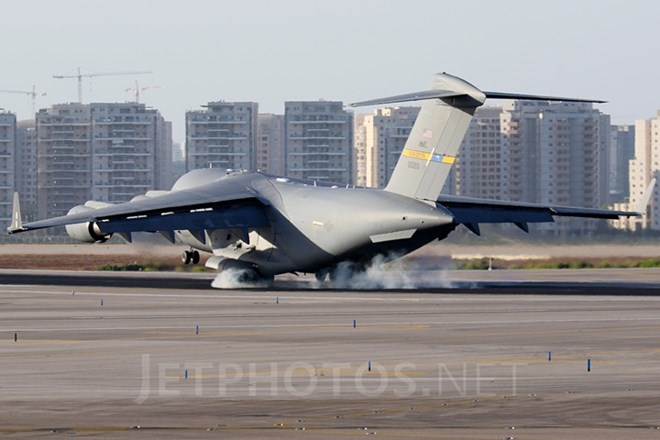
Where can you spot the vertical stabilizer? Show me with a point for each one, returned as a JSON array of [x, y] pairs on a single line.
[[431, 148]]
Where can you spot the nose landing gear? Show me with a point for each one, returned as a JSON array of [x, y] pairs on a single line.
[[191, 256]]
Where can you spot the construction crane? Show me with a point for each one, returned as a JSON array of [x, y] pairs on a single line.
[[80, 76], [33, 94], [137, 89]]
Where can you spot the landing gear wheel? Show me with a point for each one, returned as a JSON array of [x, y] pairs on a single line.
[[194, 257], [186, 257], [321, 275], [248, 276], [345, 272]]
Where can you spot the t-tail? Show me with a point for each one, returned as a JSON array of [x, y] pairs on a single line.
[[433, 144]]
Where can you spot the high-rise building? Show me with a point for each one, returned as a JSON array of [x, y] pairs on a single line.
[[319, 141], [178, 154], [7, 169], [64, 158], [26, 167], [642, 169], [556, 155], [178, 163], [379, 141], [604, 150], [223, 135], [131, 151], [165, 175], [360, 146], [622, 150], [107, 152], [482, 165], [270, 144]]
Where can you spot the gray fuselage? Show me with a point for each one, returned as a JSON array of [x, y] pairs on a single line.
[[314, 228]]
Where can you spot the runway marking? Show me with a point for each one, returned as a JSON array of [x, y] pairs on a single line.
[[265, 296], [372, 325], [218, 295], [162, 335]]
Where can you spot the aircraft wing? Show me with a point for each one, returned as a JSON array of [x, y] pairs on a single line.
[[210, 206], [472, 211]]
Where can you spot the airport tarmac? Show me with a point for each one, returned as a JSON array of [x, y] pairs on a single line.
[[83, 358]]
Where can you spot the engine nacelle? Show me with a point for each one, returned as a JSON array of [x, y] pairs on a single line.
[[86, 232]]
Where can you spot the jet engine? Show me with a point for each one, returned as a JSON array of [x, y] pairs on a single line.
[[86, 232]]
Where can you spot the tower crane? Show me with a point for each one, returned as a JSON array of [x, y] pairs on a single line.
[[33, 94], [80, 76], [137, 89]]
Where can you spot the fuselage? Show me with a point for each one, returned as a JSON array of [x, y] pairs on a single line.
[[313, 228]]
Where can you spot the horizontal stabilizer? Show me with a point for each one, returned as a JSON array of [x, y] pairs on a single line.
[[445, 94], [503, 95], [408, 97], [432, 146]]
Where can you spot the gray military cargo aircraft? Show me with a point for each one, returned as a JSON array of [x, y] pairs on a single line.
[[261, 225]]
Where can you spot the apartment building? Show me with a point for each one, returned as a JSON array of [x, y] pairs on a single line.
[[223, 135], [644, 167], [319, 141], [131, 151], [270, 144], [26, 167], [481, 168], [622, 150], [107, 152], [7, 167], [557, 153], [379, 140]]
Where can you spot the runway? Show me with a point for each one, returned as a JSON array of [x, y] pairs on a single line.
[[173, 358], [559, 282]]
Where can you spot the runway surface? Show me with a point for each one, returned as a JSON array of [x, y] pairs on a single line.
[[91, 355], [582, 281]]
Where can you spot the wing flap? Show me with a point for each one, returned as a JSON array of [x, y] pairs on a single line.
[[240, 216]]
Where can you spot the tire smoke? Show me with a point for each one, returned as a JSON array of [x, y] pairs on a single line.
[[383, 272]]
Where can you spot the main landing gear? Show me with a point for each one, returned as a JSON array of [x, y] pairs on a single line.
[[190, 256]]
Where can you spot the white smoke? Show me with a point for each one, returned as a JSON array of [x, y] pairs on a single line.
[[388, 272], [381, 273], [231, 279]]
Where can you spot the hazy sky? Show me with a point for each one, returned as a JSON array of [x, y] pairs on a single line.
[[273, 51]]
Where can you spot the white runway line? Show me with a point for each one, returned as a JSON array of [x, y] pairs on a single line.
[[215, 295], [338, 325]]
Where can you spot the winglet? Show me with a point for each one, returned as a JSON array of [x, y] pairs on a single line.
[[16, 222], [646, 198]]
